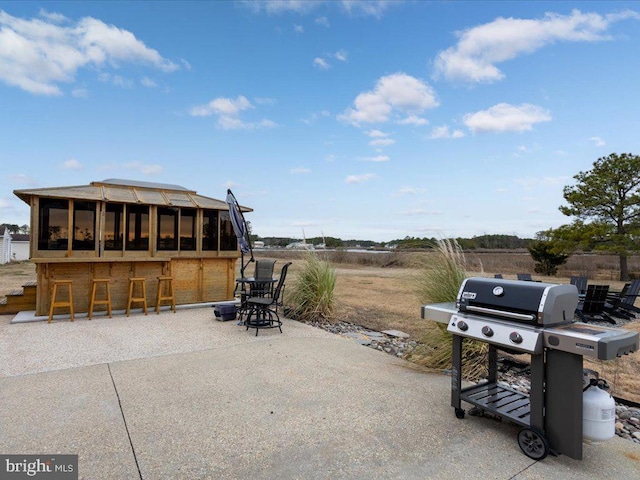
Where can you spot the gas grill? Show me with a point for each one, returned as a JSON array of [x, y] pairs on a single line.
[[535, 318]]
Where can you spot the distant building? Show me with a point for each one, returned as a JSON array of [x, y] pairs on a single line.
[[5, 246], [19, 247]]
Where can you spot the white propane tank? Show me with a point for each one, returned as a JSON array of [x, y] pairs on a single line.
[[598, 415]]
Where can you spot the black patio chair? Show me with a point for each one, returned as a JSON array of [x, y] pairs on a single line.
[[612, 306], [263, 311], [630, 298], [498, 275], [580, 283], [525, 276], [263, 271], [591, 309]]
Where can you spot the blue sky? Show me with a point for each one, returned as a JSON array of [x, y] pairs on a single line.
[[359, 120]]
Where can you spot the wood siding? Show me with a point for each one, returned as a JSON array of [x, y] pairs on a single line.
[[195, 280]]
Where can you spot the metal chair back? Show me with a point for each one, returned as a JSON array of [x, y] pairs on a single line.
[[579, 282]]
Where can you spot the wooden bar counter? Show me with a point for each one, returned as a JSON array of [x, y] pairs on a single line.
[[195, 280]]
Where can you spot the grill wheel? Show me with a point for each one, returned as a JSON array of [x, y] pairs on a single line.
[[533, 443]]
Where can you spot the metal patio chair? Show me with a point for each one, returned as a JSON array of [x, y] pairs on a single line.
[[263, 271], [263, 310], [525, 277]]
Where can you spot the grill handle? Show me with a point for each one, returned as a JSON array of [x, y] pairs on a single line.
[[516, 316]]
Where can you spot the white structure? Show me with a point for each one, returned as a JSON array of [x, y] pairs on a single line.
[[5, 246], [13, 247], [19, 250]]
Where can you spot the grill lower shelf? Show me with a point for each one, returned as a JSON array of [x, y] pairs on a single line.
[[500, 400]]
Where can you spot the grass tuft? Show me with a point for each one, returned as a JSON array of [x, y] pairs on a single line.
[[439, 282], [311, 296]]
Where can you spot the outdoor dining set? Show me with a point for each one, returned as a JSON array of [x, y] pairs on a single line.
[[260, 296]]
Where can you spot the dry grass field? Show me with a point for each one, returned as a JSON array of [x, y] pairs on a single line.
[[378, 291]]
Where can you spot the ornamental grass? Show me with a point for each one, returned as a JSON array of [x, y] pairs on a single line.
[[439, 282], [311, 297]]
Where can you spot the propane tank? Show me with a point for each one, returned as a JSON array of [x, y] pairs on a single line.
[[598, 413]]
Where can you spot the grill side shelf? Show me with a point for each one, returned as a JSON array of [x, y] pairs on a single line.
[[499, 400]]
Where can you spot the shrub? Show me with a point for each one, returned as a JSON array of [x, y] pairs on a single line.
[[311, 295], [547, 257], [439, 282]]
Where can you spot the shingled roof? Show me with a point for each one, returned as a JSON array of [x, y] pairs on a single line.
[[129, 191]]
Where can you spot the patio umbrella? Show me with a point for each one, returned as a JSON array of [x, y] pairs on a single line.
[[240, 229]]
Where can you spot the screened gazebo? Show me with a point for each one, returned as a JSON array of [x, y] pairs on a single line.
[[119, 229]]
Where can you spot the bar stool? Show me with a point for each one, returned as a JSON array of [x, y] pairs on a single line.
[[165, 281], [107, 301], [61, 303], [141, 281]]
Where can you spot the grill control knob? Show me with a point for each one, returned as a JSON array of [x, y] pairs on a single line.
[[463, 326], [515, 337], [487, 331]]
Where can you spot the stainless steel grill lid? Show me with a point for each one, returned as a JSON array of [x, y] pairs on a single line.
[[526, 302]]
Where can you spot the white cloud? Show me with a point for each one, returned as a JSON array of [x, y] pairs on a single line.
[[373, 8], [382, 142], [377, 134], [365, 177], [226, 122], [299, 171], [598, 142], [281, 6], [51, 16], [298, 29], [413, 120], [147, 82], [406, 190], [379, 158], [230, 184], [330, 157], [480, 48], [71, 164], [144, 168], [443, 132], [341, 55], [324, 21], [321, 63], [228, 111], [38, 54], [80, 93], [222, 106], [399, 93], [506, 118]]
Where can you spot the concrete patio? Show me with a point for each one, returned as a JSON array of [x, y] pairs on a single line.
[[184, 396]]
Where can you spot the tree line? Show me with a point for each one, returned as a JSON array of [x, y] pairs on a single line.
[[603, 203]]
